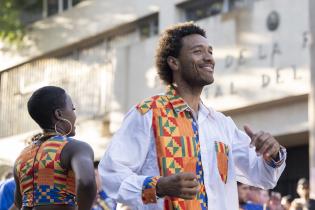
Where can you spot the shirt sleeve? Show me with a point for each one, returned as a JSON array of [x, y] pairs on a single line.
[[250, 168], [122, 162]]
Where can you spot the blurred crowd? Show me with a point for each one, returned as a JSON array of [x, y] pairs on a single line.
[[250, 198], [253, 198]]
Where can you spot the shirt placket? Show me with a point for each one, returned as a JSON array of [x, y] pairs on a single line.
[[202, 196]]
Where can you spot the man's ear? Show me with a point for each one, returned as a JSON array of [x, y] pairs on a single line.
[[173, 63], [58, 114]]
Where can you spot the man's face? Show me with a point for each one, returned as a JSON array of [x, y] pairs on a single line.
[[243, 191], [196, 63], [275, 199], [254, 194]]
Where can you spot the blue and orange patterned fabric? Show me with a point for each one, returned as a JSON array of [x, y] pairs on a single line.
[[178, 147], [100, 202], [43, 180], [148, 189]]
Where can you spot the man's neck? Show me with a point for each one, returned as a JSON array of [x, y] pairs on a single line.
[[190, 95]]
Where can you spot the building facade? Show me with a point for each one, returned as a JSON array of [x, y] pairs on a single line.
[[102, 52]]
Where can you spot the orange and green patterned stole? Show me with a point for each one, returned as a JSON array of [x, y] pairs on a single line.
[[222, 151], [177, 143]]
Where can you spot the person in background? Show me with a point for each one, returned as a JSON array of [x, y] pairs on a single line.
[[243, 198], [303, 190], [286, 201], [275, 201], [6, 175], [254, 194], [55, 172], [7, 194], [258, 195], [264, 198], [297, 206]]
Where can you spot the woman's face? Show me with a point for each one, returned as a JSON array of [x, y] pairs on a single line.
[[68, 114]]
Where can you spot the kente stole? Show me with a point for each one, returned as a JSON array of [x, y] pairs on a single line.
[[177, 145]]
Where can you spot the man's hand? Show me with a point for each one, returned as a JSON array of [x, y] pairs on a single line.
[[181, 185], [264, 143]]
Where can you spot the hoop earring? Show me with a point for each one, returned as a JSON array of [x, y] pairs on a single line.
[[65, 120]]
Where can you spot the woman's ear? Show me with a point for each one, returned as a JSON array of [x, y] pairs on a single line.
[[58, 114], [173, 63]]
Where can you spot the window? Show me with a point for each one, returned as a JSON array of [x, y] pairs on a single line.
[[232, 4], [198, 9], [31, 11], [51, 7], [34, 10], [149, 26], [194, 10]]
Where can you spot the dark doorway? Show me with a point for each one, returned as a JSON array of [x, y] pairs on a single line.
[[297, 167]]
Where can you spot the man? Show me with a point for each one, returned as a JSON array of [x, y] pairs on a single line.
[[264, 197], [258, 196], [244, 192], [275, 201], [173, 152], [253, 194]]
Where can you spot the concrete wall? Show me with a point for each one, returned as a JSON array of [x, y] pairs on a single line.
[[265, 66], [282, 117], [254, 64]]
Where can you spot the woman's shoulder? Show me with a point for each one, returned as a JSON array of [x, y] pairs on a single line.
[[75, 143], [74, 148]]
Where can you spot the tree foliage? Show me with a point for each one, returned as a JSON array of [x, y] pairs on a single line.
[[12, 17], [11, 28], [15, 14]]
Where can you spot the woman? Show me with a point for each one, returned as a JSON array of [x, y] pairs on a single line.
[[55, 171]]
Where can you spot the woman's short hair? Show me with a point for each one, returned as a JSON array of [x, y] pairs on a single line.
[[44, 102]]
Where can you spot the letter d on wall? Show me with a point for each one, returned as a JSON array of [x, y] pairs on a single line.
[[265, 80]]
